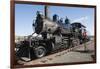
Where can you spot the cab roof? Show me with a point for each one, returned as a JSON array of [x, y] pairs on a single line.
[[77, 24]]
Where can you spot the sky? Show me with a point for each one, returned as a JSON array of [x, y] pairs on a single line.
[[25, 14]]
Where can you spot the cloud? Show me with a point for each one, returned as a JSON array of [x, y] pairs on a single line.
[[82, 19]]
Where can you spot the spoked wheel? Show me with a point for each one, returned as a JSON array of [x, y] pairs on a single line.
[[40, 51]]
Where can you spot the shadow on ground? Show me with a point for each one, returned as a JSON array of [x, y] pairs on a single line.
[[84, 51]]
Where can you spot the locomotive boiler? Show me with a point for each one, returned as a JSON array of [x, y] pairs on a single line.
[[46, 25]]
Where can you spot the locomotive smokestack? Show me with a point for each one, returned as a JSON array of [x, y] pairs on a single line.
[[46, 11]]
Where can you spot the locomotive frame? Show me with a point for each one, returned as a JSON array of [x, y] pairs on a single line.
[[12, 30]]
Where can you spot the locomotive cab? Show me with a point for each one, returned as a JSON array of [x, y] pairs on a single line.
[[79, 30]]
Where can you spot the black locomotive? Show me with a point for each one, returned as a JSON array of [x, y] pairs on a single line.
[[55, 34]]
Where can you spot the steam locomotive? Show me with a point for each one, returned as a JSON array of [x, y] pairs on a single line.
[[54, 35]]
